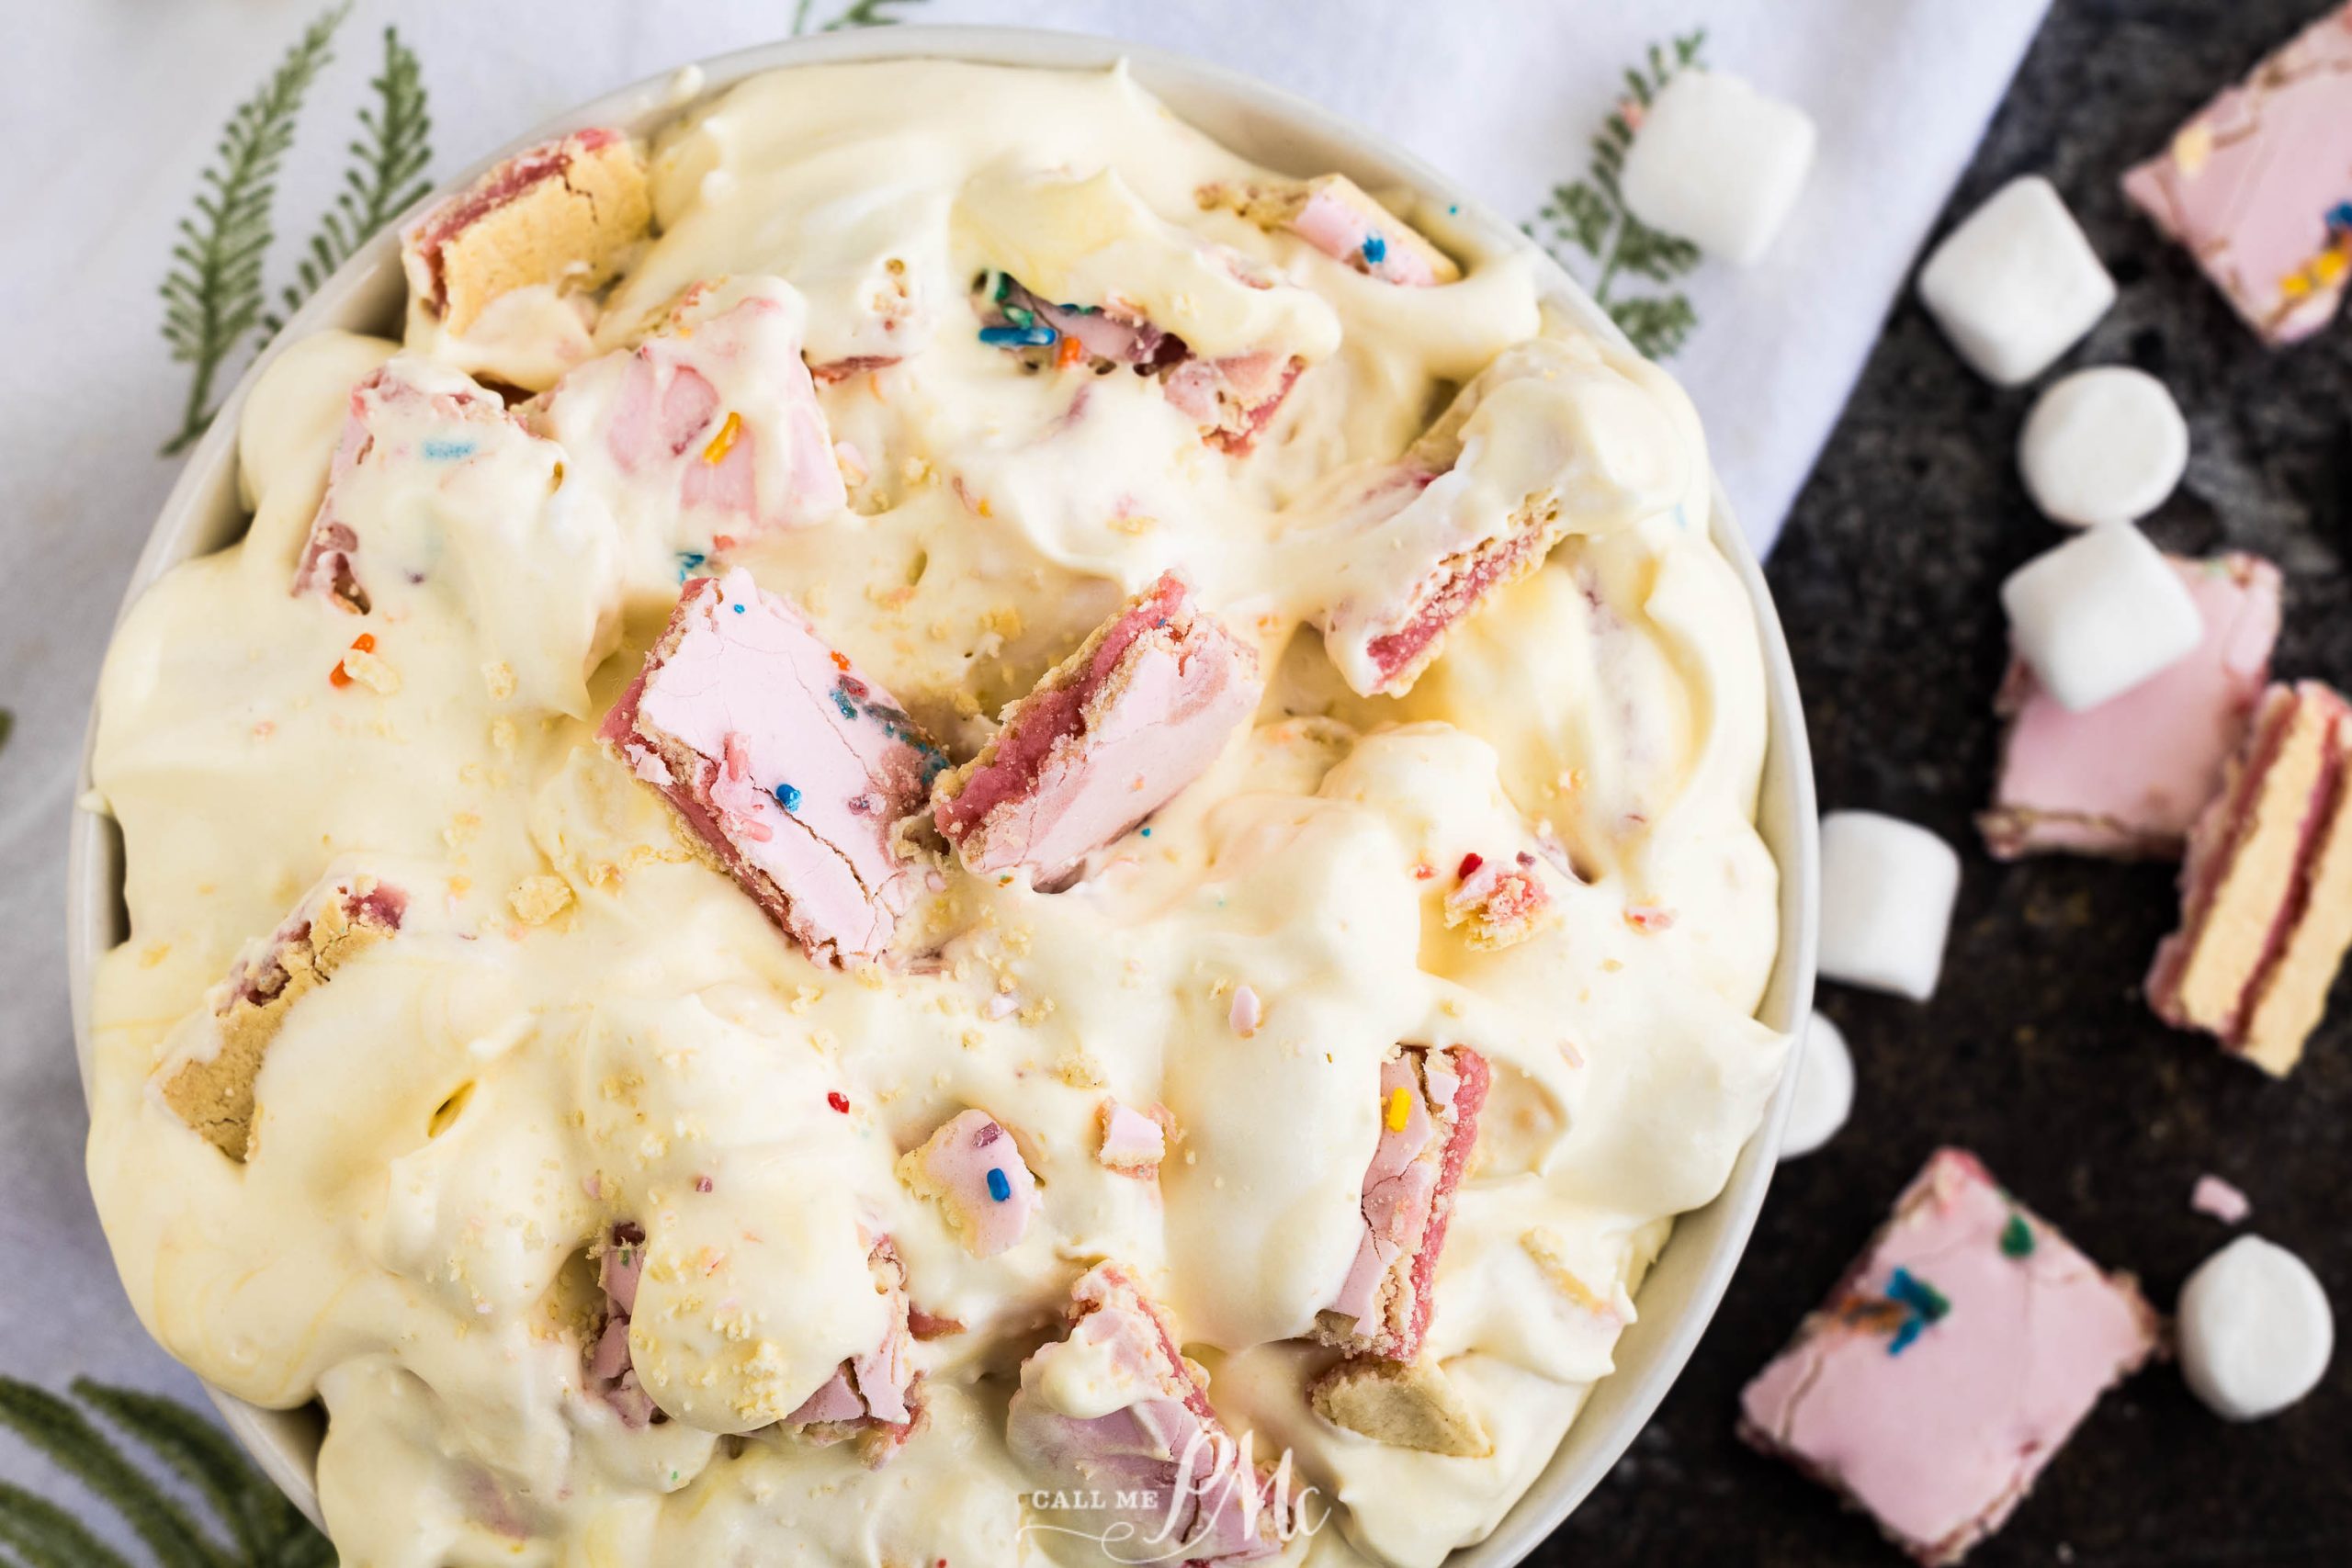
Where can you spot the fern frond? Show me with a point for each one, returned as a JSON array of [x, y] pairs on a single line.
[[868, 13], [384, 179], [256, 1513], [7, 723], [39, 1534], [1657, 327], [66, 1438], [213, 294]]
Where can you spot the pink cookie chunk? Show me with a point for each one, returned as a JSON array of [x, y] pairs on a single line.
[[396, 418], [2257, 186], [1429, 1100], [715, 410], [788, 763], [2129, 777], [1333, 214], [611, 1377], [1114, 1408], [873, 1399], [1131, 1142], [1232, 398], [1498, 902], [976, 1176], [2266, 912], [1107, 737], [2213, 1196], [1950, 1365]]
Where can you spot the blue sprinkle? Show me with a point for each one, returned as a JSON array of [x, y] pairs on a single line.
[[1375, 249], [933, 764], [442, 450], [840, 700], [737, 608], [689, 562], [1455, 211], [1147, 832], [787, 797], [999, 1186], [2339, 216], [1038, 336]]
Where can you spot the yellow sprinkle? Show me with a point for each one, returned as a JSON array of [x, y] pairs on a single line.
[[2294, 286], [2191, 148], [2331, 267], [724, 442], [1400, 1110]]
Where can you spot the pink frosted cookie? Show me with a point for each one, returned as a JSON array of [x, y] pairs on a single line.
[[790, 766], [406, 413], [2266, 888], [873, 1399], [1429, 1122], [611, 1377], [2257, 186], [1950, 1365], [2128, 778], [560, 214], [1231, 398], [1107, 737], [970, 1168], [208, 1082], [1130, 1142], [714, 413], [1114, 1409], [1498, 902], [1332, 213]]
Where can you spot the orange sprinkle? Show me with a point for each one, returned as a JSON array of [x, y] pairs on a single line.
[[1067, 353], [339, 677], [724, 442], [840, 663]]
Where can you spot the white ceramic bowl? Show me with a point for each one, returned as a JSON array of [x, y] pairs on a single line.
[[1284, 132]]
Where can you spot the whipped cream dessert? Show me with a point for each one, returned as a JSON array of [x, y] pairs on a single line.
[[944, 831]]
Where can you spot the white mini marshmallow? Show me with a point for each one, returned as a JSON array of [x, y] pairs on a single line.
[[1824, 1095], [1718, 163], [2256, 1331], [1887, 889], [2016, 285], [2098, 614], [2104, 446]]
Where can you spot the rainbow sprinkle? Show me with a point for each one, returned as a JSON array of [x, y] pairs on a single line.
[[1922, 1305], [1036, 336], [440, 449], [724, 442], [1375, 249], [787, 796], [2017, 1238], [1400, 1110], [999, 1186]]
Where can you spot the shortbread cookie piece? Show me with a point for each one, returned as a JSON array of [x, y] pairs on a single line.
[[1332, 213], [710, 426], [559, 214], [1114, 1408], [1128, 1141], [1430, 1099], [1950, 1365], [1498, 902], [971, 1169], [1406, 1405], [874, 1400], [1106, 738], [789, 765], [2128, 778], [2267, 889], [2257, 186], [210, 1083]]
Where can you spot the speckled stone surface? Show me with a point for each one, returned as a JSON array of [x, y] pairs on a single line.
[[2038, 1052]]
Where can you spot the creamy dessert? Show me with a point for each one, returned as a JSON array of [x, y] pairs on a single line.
[[946, 830]]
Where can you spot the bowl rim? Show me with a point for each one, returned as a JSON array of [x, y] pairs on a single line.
[[190, 522]]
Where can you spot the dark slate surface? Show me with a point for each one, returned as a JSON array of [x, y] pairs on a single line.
[[2037, 1051]]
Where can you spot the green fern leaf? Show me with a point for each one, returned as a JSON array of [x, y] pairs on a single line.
[[385, 178], [7, 723], [256, 1513], [39, 1534], [213, 293], [68, 1439], [868, 13], [1658, 326]]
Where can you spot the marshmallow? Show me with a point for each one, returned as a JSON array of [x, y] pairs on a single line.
[[1887, 889], [1825, 1089], [2104, 446], [1718, 163], [2098, 614], [2016, 285], [2255, 1330]]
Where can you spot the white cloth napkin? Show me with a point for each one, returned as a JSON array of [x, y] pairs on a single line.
[[114, 105]]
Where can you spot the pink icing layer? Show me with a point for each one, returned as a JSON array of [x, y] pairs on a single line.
[[611, 1376], [2247, 184], [1206, 1506], [1338, 229], [379, 905], [2218, 833], [739, 701], [875, 1390], [390, 419], [1106, 740], [1452, 591], [2130, 777], [1409, 1197], [549, 160], [1940, 1436], [957, 1159]]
